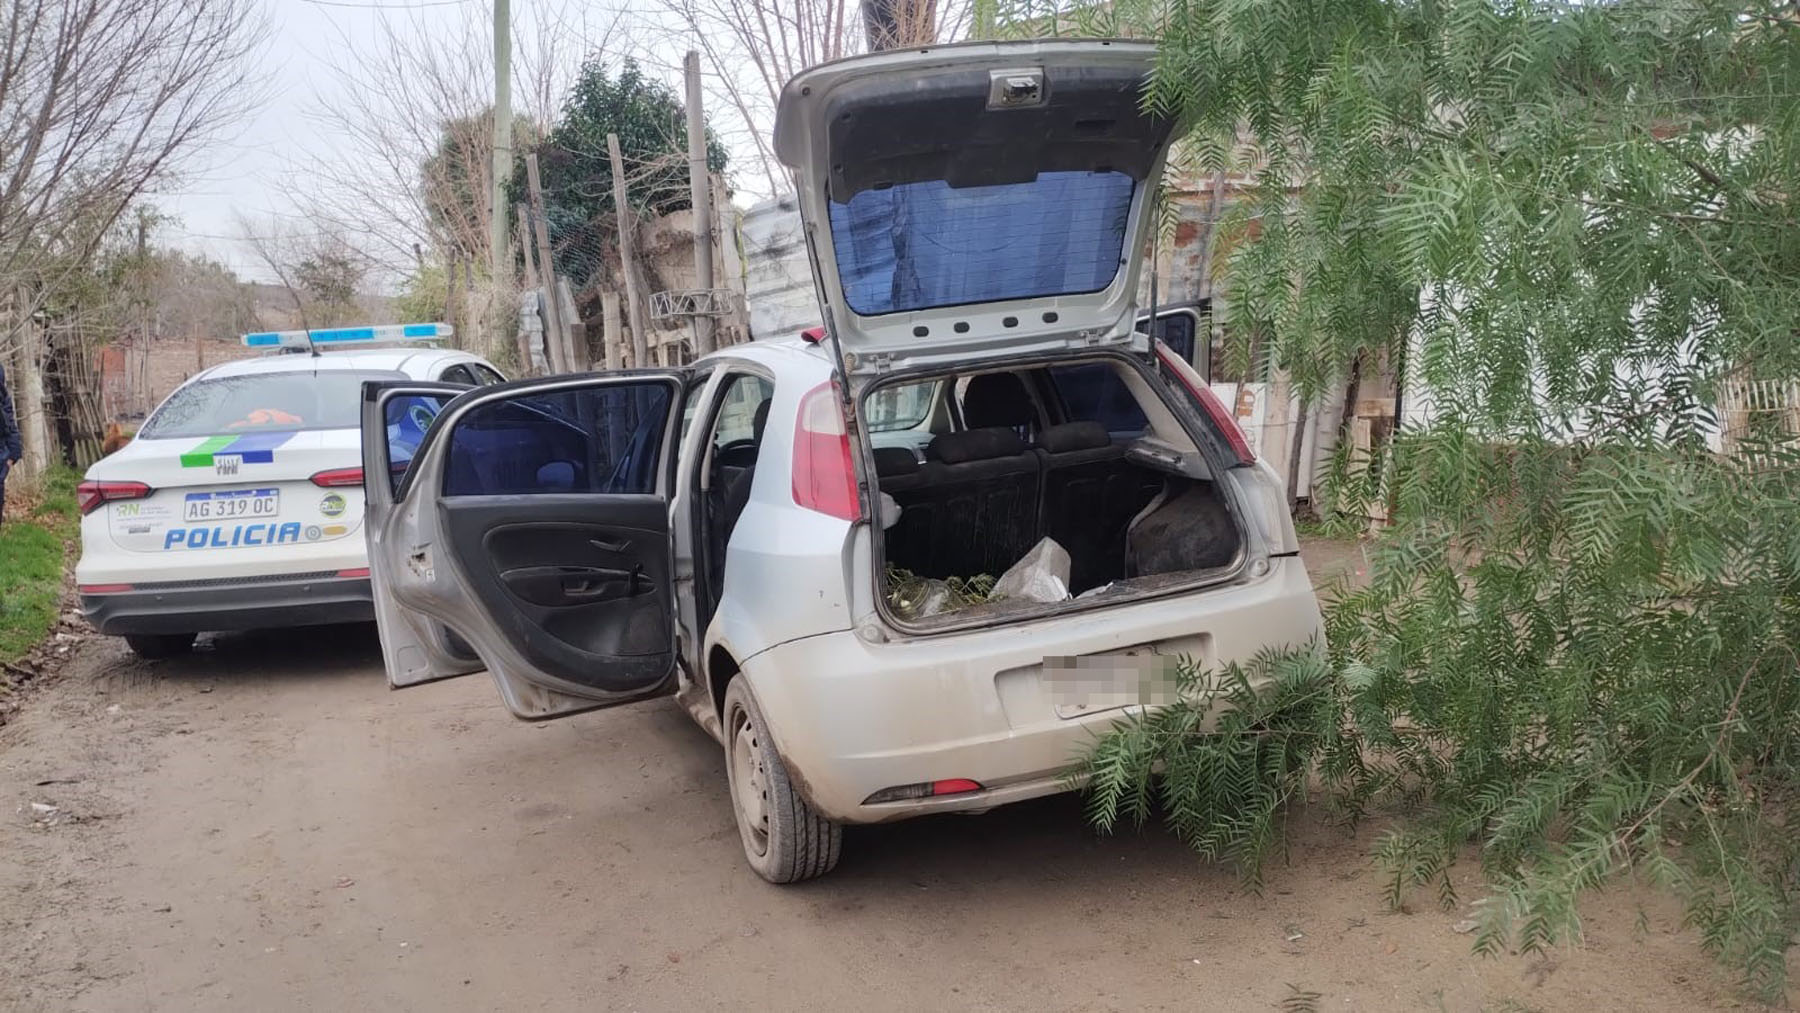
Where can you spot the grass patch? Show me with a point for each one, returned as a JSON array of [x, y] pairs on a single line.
[[31, 565]]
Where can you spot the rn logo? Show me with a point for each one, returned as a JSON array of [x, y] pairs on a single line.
[[226, 537], [227, 464]]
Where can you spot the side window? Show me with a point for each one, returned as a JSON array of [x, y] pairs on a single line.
[[743, 409], [1094, 392], [901, 407], [484, 375], [407, 417], [590, 440], [690, 405], [458, 373]]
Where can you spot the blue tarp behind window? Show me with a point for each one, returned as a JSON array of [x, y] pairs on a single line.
[[920, 245]]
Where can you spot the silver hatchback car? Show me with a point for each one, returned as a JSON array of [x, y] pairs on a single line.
[[741, 533]]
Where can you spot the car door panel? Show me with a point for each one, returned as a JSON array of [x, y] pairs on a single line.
[[590, 592], [534, 524], [395, 419]]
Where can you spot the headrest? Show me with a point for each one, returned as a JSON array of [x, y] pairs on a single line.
[[975, 445], [1086, 435], [998, 399], [759, 419], [891, 461]]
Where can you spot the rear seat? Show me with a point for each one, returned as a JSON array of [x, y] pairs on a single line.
[[1090, 494], [971, 508]]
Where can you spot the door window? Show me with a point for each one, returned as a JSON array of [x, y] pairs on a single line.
[[588, 440], [458, 373], [1094, 392], [407, 417], [743, 409]]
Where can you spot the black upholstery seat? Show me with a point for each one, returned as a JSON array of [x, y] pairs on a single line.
[[729, 494], [1090, 495], [971, 508], [1000, 399]]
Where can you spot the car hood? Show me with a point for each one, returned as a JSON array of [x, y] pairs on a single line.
[[976, 201]]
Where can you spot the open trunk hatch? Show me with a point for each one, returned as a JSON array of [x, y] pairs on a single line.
[[975, 201]]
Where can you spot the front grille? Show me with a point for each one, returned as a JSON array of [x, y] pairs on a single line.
[[272, 578]]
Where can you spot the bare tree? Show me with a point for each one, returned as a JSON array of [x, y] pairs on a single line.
[[418, 135], [99, 101], [753, 47]]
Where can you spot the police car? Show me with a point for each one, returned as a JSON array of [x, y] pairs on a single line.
[[239, 504]]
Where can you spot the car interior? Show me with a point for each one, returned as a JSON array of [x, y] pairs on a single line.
[[735, 435], [1085, 454]]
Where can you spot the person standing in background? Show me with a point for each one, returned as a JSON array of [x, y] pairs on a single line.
[[11, 449]]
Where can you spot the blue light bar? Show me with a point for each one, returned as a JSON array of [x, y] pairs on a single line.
[[348, 335]]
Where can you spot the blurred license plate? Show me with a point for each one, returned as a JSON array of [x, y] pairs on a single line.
[[231, 505], [1136, 677]]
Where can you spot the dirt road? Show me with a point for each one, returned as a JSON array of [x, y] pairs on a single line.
[[266, 826]]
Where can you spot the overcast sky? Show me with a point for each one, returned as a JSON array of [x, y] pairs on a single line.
[[258, 173]]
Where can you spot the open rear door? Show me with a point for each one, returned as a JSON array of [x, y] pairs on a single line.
[[533, 525], [1183, 329], [395, 417]]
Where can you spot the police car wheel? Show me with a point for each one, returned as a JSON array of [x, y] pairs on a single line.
[[159, 645]]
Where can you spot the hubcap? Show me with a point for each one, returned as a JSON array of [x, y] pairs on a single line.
[[750, 781]]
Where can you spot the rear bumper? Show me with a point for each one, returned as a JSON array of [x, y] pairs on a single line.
[[851, 718], [304, 600]]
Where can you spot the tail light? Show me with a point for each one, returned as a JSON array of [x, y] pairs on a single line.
[[91, 496], [924, 789], [824, 473], [338, 478], [1209, 403]]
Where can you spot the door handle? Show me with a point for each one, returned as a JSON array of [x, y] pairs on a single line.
[[554, 586]]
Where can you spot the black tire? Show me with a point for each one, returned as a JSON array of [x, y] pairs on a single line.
[[156, 646], [788, 842]]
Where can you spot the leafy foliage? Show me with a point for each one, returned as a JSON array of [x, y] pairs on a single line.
[[1232, 751], [576, 167], [1571, 227]]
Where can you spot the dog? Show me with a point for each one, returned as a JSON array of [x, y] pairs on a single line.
[[115, 439]]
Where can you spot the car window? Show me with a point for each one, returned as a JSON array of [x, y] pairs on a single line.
[[589, 440], [407, 417], [1180, 332], [1095, 392], [900, 407], [458, 373], [485, 375], [923, 244], [741, 412], [284, 402]]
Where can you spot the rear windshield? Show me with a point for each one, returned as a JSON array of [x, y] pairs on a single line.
[[264, 403], [920, 245]]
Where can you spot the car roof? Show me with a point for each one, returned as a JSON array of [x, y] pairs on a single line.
[[776, 353], [411, 361]]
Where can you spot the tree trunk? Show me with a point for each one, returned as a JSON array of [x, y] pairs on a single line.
[[895, 24]]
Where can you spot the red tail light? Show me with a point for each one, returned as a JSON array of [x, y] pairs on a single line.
[[90, 496], [102, 588], [1209, 403], [824, 474], [355, 571], [338, 478]]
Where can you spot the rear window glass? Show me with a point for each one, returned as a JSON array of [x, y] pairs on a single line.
[[264, 403], [919, 245], [1094, 393], [900, 407]]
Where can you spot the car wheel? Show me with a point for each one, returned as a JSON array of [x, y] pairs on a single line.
[[784, 839], [159, 645]]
